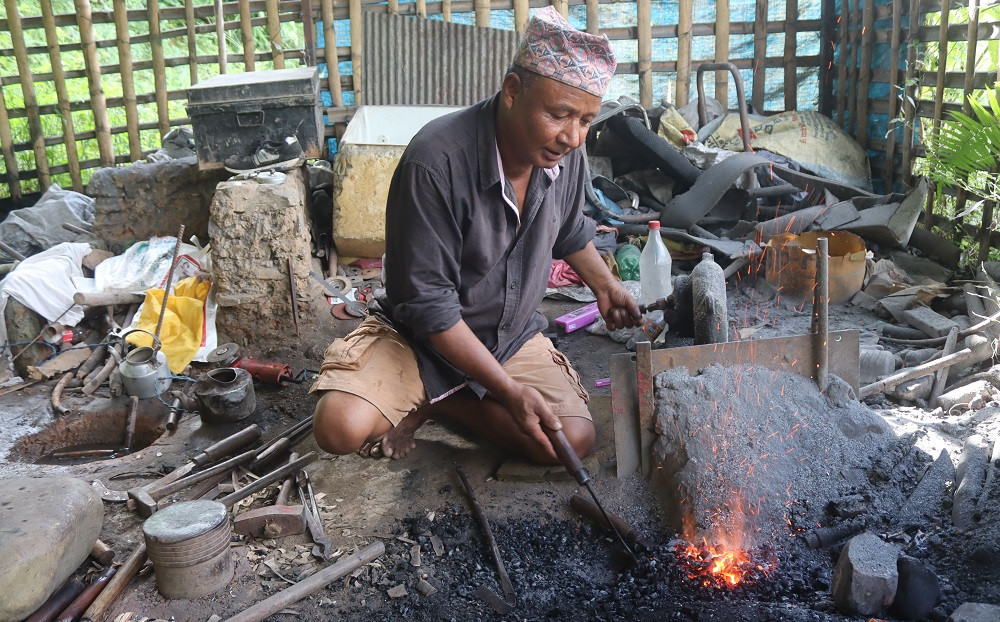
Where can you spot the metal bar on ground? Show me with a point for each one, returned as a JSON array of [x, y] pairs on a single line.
[[821, 314], [510, 599]]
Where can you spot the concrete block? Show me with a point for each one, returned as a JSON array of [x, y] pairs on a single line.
[[865, 579], [970, 397], [975, 612], [49, 526], [929, 321], [918, 590], [361, 186]]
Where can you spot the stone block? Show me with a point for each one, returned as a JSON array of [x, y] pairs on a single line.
[[361, 186], [975, 612], [929, 321], [865, 579], [970, 476], [49, 526], [925, 501], [918, 590], [969, 397], [916, 389], [255, 229], [144, 199]]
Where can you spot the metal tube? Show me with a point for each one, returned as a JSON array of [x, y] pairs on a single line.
[[130, 426], [821, 314], [126, 572], [170, 280]]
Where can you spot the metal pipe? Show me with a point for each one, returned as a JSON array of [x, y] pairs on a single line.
[[170, 280], [130, 424], [98, 609], [11, 251], [58, 601], [821, 314], [76, 608]]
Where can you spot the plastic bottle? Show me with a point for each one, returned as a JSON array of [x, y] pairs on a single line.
[[708, 297], [654, 267], [627, 259], [652, 325]]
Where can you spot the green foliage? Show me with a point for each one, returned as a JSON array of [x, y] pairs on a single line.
[[966, 152]]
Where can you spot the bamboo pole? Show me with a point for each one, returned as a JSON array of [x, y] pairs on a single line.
[[246, 30], [909, 93], [562, 6], [592, 16], [357, 61], [890, 147], [521, 16], [684, 9], [722, 51], [843, 26], [309, 31], [274, 35], [98, 101], [28, 91], [826, 36], [852, 69], [645, 22], [220, 36], [393, 7], [864, 84], [191, 41], [938, 98], [332, 61], [421, 8], [791, 77], [970, 72], [159, 69], [759, 55], [482, 8], [7, 143], [122, 39], [62, 95], [446, 10]]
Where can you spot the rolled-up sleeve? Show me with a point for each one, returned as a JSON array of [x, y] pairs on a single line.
[[576, 230], [422, 271]]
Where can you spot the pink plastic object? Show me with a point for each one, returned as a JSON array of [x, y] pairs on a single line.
[[584, 316]]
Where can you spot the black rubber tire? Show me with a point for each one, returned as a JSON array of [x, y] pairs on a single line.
[[655, 150]]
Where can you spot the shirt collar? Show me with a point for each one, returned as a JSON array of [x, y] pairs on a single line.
[[490, 167]]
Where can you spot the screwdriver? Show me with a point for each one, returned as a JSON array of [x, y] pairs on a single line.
[[567, 455]]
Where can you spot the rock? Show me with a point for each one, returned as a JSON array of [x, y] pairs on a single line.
[[49, 526], [23, 326], [918, 590], [969, 397], [929, 321], [398, 591], [865, 579], [975, 612], [141, 200], [925, 500], [415, 555], [917, 389], [425, 588], [970, 475]]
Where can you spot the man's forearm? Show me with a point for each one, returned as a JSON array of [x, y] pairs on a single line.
[[588, 264], [460, 346]]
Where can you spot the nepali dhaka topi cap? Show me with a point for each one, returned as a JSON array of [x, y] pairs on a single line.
[[551, 47]]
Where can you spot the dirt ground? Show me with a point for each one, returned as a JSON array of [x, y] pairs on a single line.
[[562, 568]]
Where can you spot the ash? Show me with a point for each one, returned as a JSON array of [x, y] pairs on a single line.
[[742, 450]]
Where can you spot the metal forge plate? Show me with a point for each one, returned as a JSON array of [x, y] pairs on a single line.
[[632, 399]]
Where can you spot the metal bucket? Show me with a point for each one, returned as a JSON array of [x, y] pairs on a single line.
[[188, 544]]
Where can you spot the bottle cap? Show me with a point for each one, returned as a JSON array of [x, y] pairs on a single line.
[[654, 224]]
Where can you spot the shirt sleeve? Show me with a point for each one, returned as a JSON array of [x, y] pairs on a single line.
[[577, 230], [423, 247]]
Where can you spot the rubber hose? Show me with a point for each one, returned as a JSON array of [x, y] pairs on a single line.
[[656, 150]]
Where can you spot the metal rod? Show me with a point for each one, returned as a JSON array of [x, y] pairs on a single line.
[[294, 295], [276, 475], [821, 314], [76, 608], [510, 599], [126, 572], [58, 601], [170, 280], [130, 426], [273, 604]]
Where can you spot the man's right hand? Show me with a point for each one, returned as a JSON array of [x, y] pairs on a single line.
[[531, 412]]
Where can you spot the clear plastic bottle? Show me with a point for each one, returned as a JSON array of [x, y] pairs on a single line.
[[654, 267]]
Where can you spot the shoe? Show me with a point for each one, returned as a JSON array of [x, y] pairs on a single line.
[[268, 155]]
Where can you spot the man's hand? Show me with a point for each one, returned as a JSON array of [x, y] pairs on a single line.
[[530, 412], [617, 306]]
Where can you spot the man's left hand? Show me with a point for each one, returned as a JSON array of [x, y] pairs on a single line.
[[617, 306]]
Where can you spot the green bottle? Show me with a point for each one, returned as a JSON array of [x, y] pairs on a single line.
[[627, 258]]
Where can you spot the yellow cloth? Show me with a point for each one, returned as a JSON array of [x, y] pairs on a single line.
[[183, 323]]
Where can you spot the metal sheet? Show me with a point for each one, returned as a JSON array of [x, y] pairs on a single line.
[[410, 60], [625, 413]]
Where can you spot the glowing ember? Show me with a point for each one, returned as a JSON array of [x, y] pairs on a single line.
[[716, 567]]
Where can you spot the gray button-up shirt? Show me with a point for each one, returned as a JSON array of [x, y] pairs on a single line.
[[456, 250]]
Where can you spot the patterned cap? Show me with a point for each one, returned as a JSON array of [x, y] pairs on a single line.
[[554, 49]]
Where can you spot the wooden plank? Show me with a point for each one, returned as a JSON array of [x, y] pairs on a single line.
[[28, 93], [128, 82], [159, 69], [520, 16], [684, 11], [843, 27], [220, 36], [192, 41], [625, 414], [645, 49], [7, 146], [722, 51], [246, 32], [592, 16], [483, 13], [330, 42], [647, 405], [759, 54], [98, 101], [865, 81], [938, 95], [274, 34], [357, 61], [62, 95], [791, 42], [893, 97], [909, 95], [309, 32]]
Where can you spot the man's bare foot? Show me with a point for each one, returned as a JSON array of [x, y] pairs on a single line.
[[399, 441]]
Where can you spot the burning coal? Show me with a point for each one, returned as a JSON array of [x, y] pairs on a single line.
[[716, 567]]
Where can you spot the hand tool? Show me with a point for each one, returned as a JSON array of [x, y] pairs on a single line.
[[102, 553], [588, 508], [323, 548], [126, 572], [509, 598], [59, 600], [567, 455], [146, 498], [276, 520], [75, 609], [336, 292], [266, 480], [294, 295]]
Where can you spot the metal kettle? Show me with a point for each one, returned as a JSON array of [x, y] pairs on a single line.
[[144, 370]]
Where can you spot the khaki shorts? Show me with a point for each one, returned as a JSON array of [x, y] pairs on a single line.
[[376, 363]]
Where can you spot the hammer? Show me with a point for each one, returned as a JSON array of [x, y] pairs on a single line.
[[146, 502], [276, 520]]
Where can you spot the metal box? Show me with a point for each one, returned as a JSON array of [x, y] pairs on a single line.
[[230, 113]]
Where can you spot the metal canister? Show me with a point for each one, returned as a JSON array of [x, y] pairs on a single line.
[[225, 395], [188, 543]]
